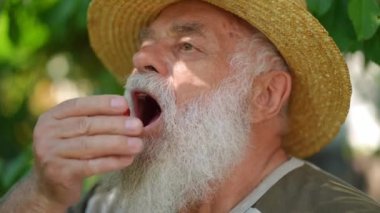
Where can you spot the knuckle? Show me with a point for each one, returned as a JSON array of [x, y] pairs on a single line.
[[83, 125], [83, 143]]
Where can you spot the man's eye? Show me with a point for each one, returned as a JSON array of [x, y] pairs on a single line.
[[187, 47]]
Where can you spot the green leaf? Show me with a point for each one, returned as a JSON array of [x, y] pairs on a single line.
[[372, 48], [319, 7], [7, 48], [364, 15], [340, 27]]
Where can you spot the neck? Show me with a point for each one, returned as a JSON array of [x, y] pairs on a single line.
[[258, 162]]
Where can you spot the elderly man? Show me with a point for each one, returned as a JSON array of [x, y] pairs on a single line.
[[215, 115]]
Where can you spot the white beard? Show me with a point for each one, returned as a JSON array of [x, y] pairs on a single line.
[[196, 150]]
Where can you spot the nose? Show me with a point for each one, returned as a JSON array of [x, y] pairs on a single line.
[[151, 58]]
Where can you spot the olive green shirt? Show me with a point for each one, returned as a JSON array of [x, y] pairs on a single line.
[[305, 188], [295, 186]]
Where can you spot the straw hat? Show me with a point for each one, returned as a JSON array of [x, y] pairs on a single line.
[[321, 86]]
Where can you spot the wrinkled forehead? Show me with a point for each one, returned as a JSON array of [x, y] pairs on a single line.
[[194, 14], [194, 8]]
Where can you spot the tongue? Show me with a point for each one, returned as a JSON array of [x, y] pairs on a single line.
[[127, 112]]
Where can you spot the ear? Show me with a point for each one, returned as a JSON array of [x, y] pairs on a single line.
[[271, 93]]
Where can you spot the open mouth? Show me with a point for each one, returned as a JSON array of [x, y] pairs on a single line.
[[146, 107]]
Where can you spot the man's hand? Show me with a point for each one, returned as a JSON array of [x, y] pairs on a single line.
[[80, 138]]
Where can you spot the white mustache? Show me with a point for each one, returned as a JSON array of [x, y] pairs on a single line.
[[153, 84]]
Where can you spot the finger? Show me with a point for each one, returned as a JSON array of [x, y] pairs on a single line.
[[89, 147], [87, 168], [93, 105], [70, 169], [96, 125]]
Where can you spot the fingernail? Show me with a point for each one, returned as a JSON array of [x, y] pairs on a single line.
[[132, 124], [117, 102], [135, 144]]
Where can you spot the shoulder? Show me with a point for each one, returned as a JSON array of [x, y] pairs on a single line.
[[309, 189]]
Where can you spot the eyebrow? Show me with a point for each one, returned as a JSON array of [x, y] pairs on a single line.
[[178, 29]]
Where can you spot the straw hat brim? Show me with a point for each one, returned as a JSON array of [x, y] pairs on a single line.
[[321, 86]]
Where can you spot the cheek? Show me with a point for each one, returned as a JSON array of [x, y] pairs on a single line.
[[187, 86], [192, 79]]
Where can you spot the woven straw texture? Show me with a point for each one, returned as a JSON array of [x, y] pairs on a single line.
[[321, 86]]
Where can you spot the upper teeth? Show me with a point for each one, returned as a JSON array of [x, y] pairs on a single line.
[[142, 95]]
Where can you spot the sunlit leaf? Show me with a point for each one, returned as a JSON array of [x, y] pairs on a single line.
[[21, 34], [5, 42], [365, 17], [34, 34]]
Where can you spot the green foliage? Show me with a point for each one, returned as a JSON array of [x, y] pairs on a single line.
[[34, 33], [353, 24], [365, 16], [320, 7]]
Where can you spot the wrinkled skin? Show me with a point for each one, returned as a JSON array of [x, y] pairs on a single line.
[[88, 136], [74, 140]]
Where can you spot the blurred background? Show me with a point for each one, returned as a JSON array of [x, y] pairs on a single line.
[[45, 59]]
